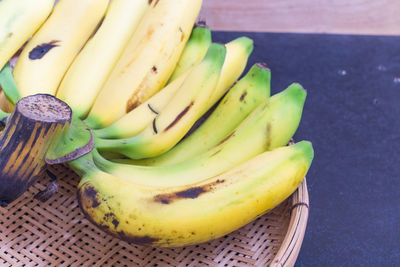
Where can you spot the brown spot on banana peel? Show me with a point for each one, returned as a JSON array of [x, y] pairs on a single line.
[[268, 136], [155, 126], [110, 216], [180, 115], [41, 50], [243, 96], [91, 194], [154, 69], [156, 3], [190, 193], [182, 34], [141, 240], [152, 109], [226, 138]]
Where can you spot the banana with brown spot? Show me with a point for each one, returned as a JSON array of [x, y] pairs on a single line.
[[47, 56], [172, 216], [18, 21]]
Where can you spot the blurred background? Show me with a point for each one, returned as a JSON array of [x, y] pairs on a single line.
[[305, 16]]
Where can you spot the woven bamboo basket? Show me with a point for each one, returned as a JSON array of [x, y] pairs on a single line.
[[56, 233]]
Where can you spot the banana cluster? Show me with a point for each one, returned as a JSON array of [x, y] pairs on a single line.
[[188, 147]]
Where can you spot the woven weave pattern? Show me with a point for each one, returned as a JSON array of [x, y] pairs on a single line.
[[57, 234]]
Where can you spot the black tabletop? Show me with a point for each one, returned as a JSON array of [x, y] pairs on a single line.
[[352, 117]]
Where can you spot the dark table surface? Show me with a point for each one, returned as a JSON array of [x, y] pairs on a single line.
[[352, 117]]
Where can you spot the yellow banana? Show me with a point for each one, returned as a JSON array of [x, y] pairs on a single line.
[[180, 114], [18, 21], [92, 66], [47, 56], [171, 216], [195, 50], [147, 62]]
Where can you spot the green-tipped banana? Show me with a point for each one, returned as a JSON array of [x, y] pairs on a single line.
[[171, 216], [137, 119], [270, 126], [18, 21], [240, 101], [176, 119], [195, 50], [234, 66]]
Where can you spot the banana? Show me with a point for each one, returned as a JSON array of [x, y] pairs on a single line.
[[18, 21], [172, 216], [47, 56], [179, 115], [194, 52], [147, 62], [239, 102], [233, 67], [92, 66], [269, 126]]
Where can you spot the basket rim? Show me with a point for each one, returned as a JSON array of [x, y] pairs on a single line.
[[290, 248]]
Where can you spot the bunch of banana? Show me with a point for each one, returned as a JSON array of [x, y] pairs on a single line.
[[148, 60], [174, 141]]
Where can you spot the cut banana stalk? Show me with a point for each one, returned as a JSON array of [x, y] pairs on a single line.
[[47, 56], [35, 122]]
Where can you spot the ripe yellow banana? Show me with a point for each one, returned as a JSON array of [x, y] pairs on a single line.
[[92, 66], [147, 62], [18, 21], [269, 126], [239, 102], [194, 52], [171, 216], [47, 56], [179, 115]]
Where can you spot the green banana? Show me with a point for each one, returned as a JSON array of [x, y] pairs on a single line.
[[8, 85], [178, 116], [269, 126], [193, 53], [195, 50], [238, 103], [169, 216]]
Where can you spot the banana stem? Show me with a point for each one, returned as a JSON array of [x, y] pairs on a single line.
[[34, 123], [84, 165]]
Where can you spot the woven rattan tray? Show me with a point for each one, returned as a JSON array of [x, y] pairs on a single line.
[[56, 233]]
